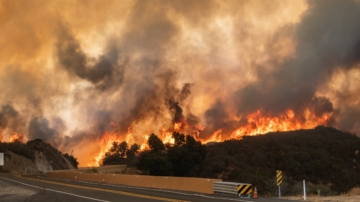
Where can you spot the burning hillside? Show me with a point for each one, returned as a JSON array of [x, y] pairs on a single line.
[[257, 124], [93, 72]]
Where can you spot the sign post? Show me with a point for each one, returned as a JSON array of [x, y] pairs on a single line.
[[304, 190], [279, 180]]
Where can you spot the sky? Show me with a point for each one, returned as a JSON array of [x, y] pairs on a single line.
[[72, 71]]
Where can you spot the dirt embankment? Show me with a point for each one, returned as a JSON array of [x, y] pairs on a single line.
[[48, 160]]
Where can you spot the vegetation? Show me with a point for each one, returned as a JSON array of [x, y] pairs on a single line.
[[50, 153], [167, 160], [328, 159], [28, 150], [18, 148], [325, 157], [72, 160], [120, 153], [172, 159]]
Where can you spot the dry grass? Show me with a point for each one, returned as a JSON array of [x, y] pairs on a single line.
[[352, 196], [353, 192]]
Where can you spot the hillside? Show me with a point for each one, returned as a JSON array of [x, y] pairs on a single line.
[[325, 157], [33, 157]]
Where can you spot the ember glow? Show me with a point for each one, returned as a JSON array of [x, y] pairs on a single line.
[[17, 137], [262, 124], [258, 123], [91, 73]]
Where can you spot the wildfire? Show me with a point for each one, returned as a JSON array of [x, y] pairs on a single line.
[[258, 123], [17, 137], [166, 136], [106, 143], [262, 124]]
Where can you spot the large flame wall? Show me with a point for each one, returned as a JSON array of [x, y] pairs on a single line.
[[80, 74]]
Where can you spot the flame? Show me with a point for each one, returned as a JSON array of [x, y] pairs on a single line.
[[215, 137], [166, 136], [258, 123], [17, 137], [106, 143]]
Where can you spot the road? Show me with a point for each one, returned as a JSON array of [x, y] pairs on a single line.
[[39, 188]]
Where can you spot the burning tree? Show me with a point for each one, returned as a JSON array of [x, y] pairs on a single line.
[[120, 153]]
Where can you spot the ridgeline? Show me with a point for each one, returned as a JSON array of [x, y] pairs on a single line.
[[328, 159]]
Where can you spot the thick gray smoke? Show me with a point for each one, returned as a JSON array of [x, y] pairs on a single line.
[[9, 118], [328, 38], [104, 73], [138, 67], [40, 128]]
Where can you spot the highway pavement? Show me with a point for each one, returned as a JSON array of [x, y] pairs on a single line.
[[59, 190]]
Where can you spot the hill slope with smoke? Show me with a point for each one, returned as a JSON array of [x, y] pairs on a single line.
[[92, 72]]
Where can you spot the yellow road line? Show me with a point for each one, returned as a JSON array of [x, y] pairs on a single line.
[[107, 190]]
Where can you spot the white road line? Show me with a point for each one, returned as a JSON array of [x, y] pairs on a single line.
[[152, 189], [94, 199]]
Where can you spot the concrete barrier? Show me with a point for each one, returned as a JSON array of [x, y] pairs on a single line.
[[201, 185]]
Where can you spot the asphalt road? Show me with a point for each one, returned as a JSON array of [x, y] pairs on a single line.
[[44, 189]]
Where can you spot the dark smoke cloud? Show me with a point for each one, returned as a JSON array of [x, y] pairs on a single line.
[[177, 110], [210, 63], [349, 118], [39, 127], [11, 119], [321, 105], [218, 118], [6, 114], [185, 92], [103, 74], [327, 38]]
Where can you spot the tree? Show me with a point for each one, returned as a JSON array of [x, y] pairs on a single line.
[[120, 153], [131, 152], [178, 159], [155, 163], [186, 153], [72, 159], [155, 143], [179, 139]]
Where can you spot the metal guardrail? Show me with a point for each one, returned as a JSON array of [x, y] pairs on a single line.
[[233, 188]]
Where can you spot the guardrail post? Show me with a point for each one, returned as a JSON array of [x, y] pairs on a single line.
[[304, 190]]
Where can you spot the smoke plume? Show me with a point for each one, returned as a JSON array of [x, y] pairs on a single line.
[[138, 67]]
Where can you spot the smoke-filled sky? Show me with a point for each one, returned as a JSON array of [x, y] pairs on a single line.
[[72, 70]]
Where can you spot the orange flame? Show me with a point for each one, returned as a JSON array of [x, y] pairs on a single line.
[[258, 123], [262, 124], [17, 137], [106, 143]]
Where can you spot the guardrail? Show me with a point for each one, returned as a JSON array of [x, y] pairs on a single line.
[[233, 188], [201, 185]]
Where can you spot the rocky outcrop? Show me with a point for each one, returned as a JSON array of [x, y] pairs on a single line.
[[46, 158]]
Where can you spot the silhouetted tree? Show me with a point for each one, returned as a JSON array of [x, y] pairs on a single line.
[[155, 143], [178, 159], [119, 153]]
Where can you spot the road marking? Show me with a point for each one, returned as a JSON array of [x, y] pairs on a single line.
[[151, 189], [110, 191], [94, 199]]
